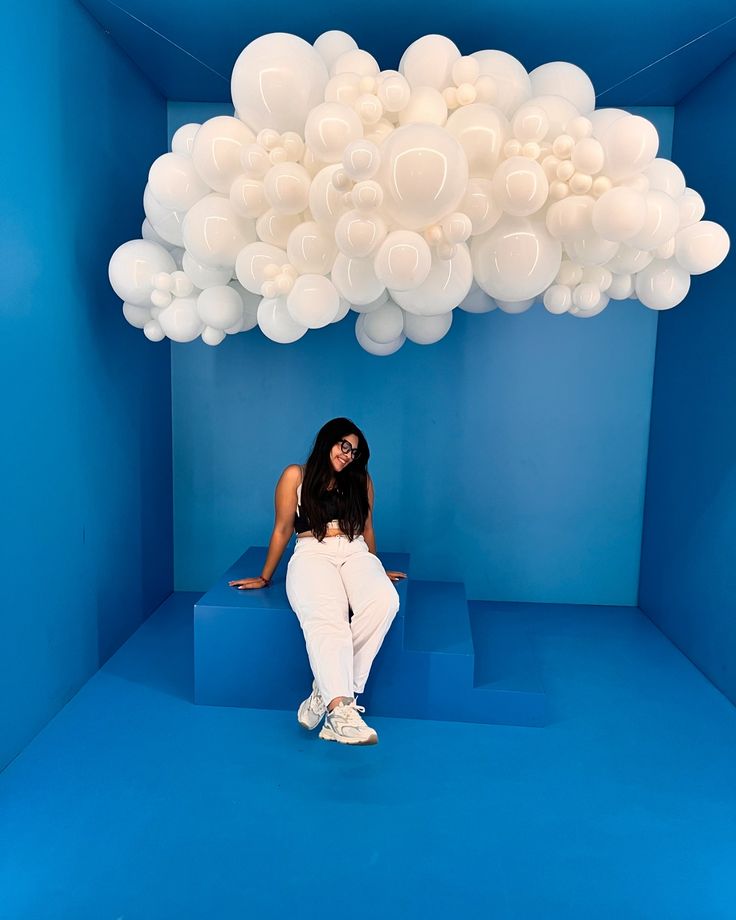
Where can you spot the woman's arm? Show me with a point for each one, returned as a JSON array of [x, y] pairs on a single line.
[[368, 535], [285, 502]]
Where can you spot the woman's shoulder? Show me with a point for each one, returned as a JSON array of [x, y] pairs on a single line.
[[293, 473]]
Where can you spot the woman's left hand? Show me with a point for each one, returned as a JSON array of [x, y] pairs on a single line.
[[396, 576]]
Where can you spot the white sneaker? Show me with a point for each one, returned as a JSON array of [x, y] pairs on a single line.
[[312, 709], [345, 725]]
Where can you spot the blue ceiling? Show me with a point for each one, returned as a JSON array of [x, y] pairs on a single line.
[[635, 52]]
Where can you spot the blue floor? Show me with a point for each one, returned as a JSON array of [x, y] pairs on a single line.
[[134, 804]]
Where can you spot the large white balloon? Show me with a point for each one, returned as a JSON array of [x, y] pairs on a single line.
[[330, 128], [253, 263], [180, 321], [516, 259], [311, 248], [559, 78], [385, 324], [220, 307], [165, 221], [428, 62], [424, 173], [662, 285], [375, 348], [277, 80], [175, 183], [701, 247], [313, 301], [426, 330], [356, 280], [214, 233], [481, 130], [630, 144], [446, 286], [520, 186], [512, 82], [132, 269], [216, 151]]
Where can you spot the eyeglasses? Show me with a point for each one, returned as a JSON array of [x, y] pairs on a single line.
[[347, 448]]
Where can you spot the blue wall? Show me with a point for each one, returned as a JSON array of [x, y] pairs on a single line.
[[511, 455], [86, 460], [688, 571]]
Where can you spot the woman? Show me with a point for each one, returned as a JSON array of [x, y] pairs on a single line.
[[334, 569]]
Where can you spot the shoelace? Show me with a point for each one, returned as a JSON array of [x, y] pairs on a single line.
[[350, 712], [315, 702]]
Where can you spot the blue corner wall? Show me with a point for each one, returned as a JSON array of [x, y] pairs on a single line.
[[688, 562], [86, 461], [511, 455]]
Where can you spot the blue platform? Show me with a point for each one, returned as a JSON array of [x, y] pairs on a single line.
[[249, 651]]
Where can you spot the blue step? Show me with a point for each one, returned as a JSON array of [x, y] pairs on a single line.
[[249, 651]]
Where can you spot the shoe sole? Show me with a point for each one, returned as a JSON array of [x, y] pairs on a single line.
[[328, 735]]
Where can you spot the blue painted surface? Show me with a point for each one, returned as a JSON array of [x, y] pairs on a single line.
[[135, 803], [510, 456], [249, 651], [86, 460], [635, 53], [688, 573]]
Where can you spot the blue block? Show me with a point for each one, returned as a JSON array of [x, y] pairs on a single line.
[[249, 651]]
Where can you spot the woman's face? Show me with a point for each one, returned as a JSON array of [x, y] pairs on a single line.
[[338, 458]]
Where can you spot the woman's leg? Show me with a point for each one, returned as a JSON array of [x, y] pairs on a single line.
[[317, 596], [374, 602]]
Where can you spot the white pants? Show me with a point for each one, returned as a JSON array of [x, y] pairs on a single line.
[[322, 581]]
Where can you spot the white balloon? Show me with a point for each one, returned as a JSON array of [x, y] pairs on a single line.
[[424, 174], [135, 315], [661, 221], [403, 260], [558, 299], [287, 188], [559, 78], [601, 119], [428, 62], [665, 176], [358, 235], [356, 281], [426, 330], [204, 276], [375, 348], [214, 233], [600, 306], [153, 331], [275, 321], [313, 301], [183, 140], [520, 186], [515, 306], [621, 287], [691, 207], [630, 144], [220, 306], [481, 130], [571, 218], [592, 250], [253, 261], [166, 222], [426, 105], [385, 324], [251, 303], [559, 111], [701, 247], [216, 150], [330, 45], [277, 80], [479, 205], [447, 285], [342, 311], [175, 183], [619, 214], [181, 321], [212, 336], [361, 160], [629, 260], [248, 197], [355, 61], [132, 268], [662, 285], [330, 128], [393, 92], [477, 301], [311, 249], [515, 260], [530, 124], [588, 156], [275, 228], [513, 86], [325, 202], [148, 233]]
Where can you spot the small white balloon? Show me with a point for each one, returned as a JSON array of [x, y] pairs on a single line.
[[630, 143], [375, 348], [253, 262], [330, 128], [426, 106], [665, 176], [358, 235], [520, 186], [429, 61], [181, 321], [361, 160], [216, 150], [691, 207], [137, 316], [356, 280], [311, 249], [477, 301], [448, 284], [220, 307], [330, 45], [513, 86], [183, 140], [204, 276], [558, 299], [385, 324], [153, 331], [248, 197], [560, 78], [286, 186], [426, 330]]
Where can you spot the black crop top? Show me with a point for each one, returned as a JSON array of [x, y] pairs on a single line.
[[334, 506]]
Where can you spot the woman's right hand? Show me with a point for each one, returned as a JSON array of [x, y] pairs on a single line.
[[245, 583]]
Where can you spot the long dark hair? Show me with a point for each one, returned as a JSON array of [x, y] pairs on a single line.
[[351, 483]]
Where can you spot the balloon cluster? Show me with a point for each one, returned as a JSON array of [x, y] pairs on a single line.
[[400, 195]]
